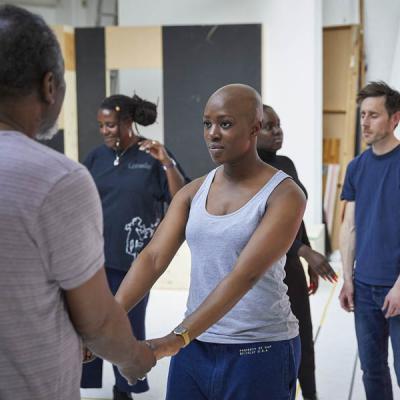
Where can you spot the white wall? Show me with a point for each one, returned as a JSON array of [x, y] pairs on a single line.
[[76, 13], [381, 35], [291, 71], [340, 12], [47, 13]]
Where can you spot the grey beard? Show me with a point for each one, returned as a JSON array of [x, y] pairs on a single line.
[[48, 134]]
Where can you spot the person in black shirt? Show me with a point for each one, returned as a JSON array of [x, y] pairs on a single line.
[[269, 141], [136, 179]]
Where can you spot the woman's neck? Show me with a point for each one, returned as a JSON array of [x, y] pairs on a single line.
[[243, 169], [128, 142]]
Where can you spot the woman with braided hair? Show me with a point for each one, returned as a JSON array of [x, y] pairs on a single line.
[[136, 179]]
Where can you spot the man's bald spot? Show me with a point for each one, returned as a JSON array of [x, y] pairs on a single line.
[[245, 99]]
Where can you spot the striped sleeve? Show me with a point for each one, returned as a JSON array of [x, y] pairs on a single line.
[[70, 230]]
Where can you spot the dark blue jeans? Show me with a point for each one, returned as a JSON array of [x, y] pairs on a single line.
[[256, 371], [93, 371], [373, 331]]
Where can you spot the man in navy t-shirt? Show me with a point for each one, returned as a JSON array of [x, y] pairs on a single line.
[[370, 239]]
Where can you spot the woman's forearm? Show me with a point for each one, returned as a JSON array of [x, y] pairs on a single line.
[[175, 179], [139, 280]]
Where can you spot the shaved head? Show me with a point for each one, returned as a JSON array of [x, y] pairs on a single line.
[[244, 99]]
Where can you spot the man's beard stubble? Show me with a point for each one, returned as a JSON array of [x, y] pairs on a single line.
[[48, 133]]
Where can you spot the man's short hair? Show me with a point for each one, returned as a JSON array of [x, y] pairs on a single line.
[[28, 50], [378, 89]]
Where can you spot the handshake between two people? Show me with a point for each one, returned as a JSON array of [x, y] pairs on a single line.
[[103, 325], [144, 357]]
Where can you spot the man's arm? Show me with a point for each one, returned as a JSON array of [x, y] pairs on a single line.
[[103, 325], [347, 245]]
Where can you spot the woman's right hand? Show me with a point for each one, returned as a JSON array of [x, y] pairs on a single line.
[[166, 346]]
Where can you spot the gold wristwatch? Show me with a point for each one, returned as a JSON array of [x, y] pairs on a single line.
[[183, 332]]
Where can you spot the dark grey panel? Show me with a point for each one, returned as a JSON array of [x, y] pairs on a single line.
[[91, 85], [197, 60], [56, 142]]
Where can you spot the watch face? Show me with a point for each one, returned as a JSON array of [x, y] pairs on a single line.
[[179, 330]]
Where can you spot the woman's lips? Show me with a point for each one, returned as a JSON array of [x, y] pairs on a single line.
[[215, 147]]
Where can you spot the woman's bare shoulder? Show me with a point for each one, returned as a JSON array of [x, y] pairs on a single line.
[[188, 191]]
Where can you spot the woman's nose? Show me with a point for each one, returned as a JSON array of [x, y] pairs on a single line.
[[277, 131], [214, 132]]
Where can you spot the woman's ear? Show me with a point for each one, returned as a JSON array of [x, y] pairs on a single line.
[[126, 127], [256, 128]]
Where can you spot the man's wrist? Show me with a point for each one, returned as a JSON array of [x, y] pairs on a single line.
[[348, 279]]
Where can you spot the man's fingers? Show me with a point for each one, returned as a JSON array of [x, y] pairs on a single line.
[[389, 311], [392, 310], [385, 304], [346, 302]]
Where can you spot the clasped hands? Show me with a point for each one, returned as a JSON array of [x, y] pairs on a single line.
[[165, 346]]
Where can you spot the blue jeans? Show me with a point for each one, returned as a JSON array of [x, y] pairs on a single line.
[[256, 371], [373, 331]]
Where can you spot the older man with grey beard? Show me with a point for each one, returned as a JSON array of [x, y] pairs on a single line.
[[53, 290]]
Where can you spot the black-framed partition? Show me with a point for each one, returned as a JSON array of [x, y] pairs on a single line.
[[197, 60]]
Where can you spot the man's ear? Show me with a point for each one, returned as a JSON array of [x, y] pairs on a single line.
[[49, 86], [396, 119]]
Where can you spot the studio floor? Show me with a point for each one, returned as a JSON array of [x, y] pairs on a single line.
[[338, 378]]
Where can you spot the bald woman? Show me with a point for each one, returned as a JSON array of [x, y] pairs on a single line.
[[239, 338]]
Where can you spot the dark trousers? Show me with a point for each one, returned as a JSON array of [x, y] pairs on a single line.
[[373, 331], [247, 371], [300, 303], [93, 371]]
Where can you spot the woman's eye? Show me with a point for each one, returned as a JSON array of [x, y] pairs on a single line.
[[207, 124], [226, 124]]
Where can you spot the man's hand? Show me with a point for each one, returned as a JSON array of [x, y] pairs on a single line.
[[166, 346], [312, 288], [143, 361], [318, 263], [346, 296], [392, 301]]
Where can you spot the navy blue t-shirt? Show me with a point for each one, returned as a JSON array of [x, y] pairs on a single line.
[[373, 182], [134, 196]]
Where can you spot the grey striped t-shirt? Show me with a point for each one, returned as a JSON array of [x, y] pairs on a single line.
[[50, 241]]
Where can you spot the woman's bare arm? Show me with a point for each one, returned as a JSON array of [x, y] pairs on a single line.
[[155, 258], [278, 228]]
